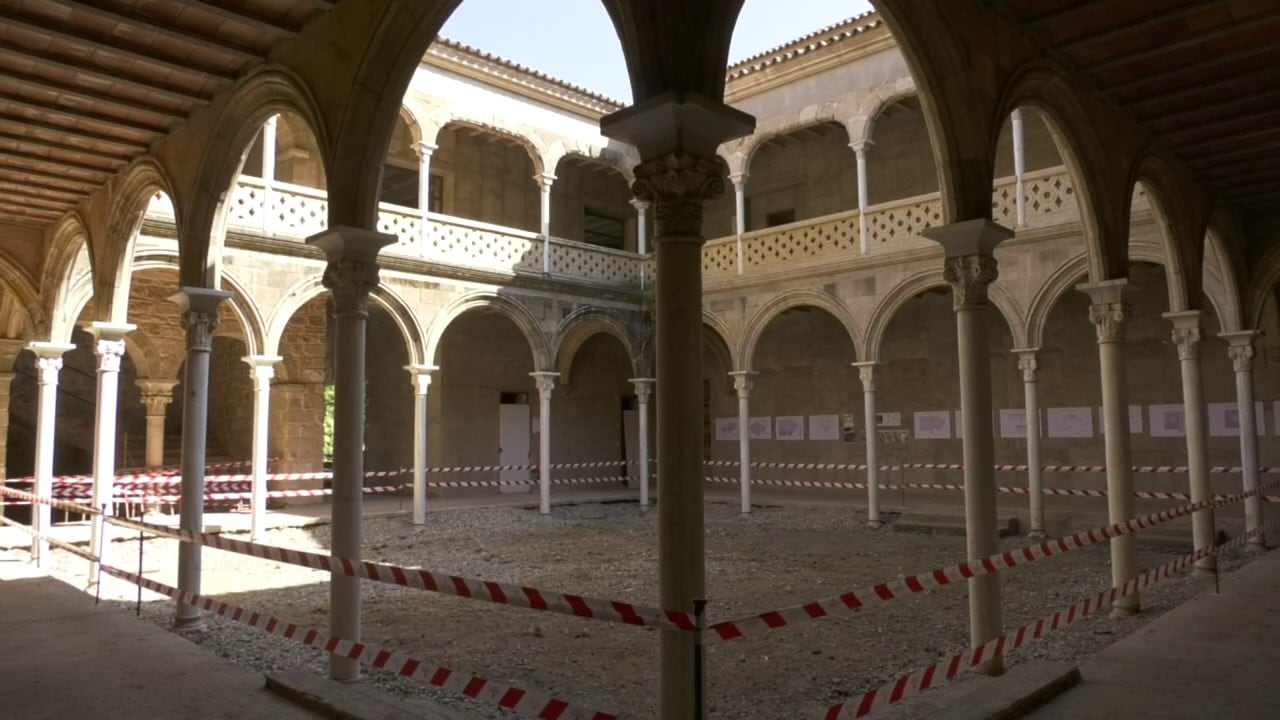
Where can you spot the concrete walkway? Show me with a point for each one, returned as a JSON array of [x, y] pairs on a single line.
[[62, 657], [1214, 657]]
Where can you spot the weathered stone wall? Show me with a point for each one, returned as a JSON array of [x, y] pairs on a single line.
[[297, 394], [230, 401], [580, 186], [487, 178], [389, 396], [586, 412]]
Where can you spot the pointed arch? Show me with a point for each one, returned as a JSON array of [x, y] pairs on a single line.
[[883, 314], [1221, 284], [511, 308], [20, 293], [240, 303], [1067, 275], [793, 299], [581, 325], [716, 334], [113, 259]]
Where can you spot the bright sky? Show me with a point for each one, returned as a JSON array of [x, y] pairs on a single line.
[[574, 41]]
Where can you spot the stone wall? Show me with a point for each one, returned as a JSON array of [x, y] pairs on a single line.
[[297, 394], [487, 178], [389, 396]]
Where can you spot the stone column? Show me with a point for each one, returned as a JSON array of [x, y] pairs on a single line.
[[742, 383], [546, 382], [642, 232], [352, 273], [199, 307], [860, 155], [1035, 481], [1019, 165], [109, 347], [421, 378], [644, 388], [425, 150], [48, 365], [970, 268], [1108, 313], [261, 369], [156, 396], [1186, 335], [867, 373], [9, 350], [739, 181], [544, 181], [1240, 348], [677, 136]]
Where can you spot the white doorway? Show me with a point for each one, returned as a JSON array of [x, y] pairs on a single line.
[[513, 441]]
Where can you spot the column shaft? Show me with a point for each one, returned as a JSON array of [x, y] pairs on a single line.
[[867, 373], [1019, 165], [860, 152], [109, 346], [261, 370], [1035, 478], [740, 216], [1241, 352], [48, 366], [546, 382], [742, 383], [644, 388], [1186, 336], [544, 184]]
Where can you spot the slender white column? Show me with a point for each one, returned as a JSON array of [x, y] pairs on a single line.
[[352, 273], [867, 374], [48, 365], [860, 154], [742, 383], [544, 181], [199, 308], [644, 388], [546, 384], [642, 230], [269, 130], [1035, 482], [261, 369], [739, 181], [425, 150], [1186, 336], [1019, 165], [156, 396], [421, 378], [1108, 313], [970, 268], [109, 347], [1240, 349]]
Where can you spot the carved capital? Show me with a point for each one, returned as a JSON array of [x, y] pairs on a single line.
[[546, 382], [742, 382], [1028, 364], [1188, 341], [109, 353], [1108, 319], [1241, 357], [677, 184], [867, 374], [644, 388], [351, 281], [47, 369], [156, 395], [200, 327], [969, 277]]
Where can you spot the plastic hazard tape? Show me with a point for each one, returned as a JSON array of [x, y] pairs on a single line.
[[526, 483], [885, 592], [525, 703], [796, 483], [554, 466], [55, 542], [786, 465], [495, 592], [946, 670], [51, 502]]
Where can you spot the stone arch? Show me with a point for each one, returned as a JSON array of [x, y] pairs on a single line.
[[740, 157], [1181, 222], [240, 303], [265, 91], [113, 259], [883, 314], [532, 143], [792, 299], [600, 154], [512, 309], [716, 336], [861, 125], [580, 326], [20, 294], [1221, 284], [1166, 254], [313, 287], [68, 253], [1067, 275], [1103, 194]]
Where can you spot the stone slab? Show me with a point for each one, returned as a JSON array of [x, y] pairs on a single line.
[[353, 701]]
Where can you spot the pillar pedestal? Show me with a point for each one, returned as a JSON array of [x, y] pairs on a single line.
[[352, 273], [867, 374], [1035, 480], [110, 349], [420, 375], [1240, 348], [1108, 313], [1186, 336], [742, 383], [970, 268], [48, 366], [644, 388]]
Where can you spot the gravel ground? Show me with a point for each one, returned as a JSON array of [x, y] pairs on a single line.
[[773, 558]]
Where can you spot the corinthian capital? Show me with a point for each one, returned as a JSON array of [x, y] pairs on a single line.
[[969, 277], [1241, 357], [677, 184], [1108, 319], [351, 281], [1188, 341]]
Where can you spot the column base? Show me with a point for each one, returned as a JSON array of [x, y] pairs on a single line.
[[1037, 534], [191, 626], [875, 524], [1120, 612], [1204, 570], [991, 668]]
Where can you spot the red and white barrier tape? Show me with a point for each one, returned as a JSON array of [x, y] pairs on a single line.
[[55, 542], [946, 670], [885, 592], [508, 697], [495, 592], [794, 483]]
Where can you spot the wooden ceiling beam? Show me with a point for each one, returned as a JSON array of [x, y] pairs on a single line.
[[239, 54], [128, 146]]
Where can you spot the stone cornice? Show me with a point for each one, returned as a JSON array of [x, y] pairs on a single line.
[[831, 47]]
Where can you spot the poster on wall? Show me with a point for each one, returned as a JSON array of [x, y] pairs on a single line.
[[1168, 421], [790, 427], [893, 419], [1135, 420], [760, 428], [848, 429], [727, 429], [824, 427], [1224, 419], [1070, 422], [1013, 423], [933, 425]]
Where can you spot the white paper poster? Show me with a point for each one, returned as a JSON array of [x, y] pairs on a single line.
[[893, 419], [1168, 421], [933, 425], [1224, 419], [727, 429], [1013, 423], [1135, 420], [790, 427], [1070, 422], [824, 427], [760, 428]]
